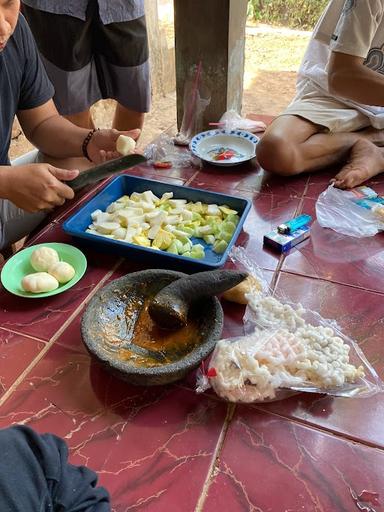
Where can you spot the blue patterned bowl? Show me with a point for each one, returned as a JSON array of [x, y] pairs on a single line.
[[224, 147]]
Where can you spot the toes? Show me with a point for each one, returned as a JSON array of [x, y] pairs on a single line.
[[339, 184]]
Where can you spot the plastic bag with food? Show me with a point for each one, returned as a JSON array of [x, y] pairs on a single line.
[[255, 282], [286, 349], [163, 152], [274, 363]]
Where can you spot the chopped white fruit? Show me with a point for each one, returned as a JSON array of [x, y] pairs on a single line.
[[166, 223], [152, 233], [114, 207], [177, 203], [213, 209], [150, 197], [106, 228], [119, 233]]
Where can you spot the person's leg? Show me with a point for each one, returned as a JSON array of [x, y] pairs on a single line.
[[122, 62], [82, 119], [127, 119], [65, 45], [365, 161], [293, 145]]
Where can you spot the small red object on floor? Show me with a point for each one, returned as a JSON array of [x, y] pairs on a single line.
[[162, 165], [212, 372]]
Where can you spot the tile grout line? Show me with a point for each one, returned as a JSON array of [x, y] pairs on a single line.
[[52, 341], [301, 422], [277, 271], [354, 286], [320, 428], [30, 337], [189, 180], [211, 470]]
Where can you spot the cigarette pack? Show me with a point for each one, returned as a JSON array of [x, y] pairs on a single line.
[[283, 243]]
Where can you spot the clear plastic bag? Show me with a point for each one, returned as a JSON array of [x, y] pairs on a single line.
[[286, 349], [336, 210], [266, 314], [163, 150], [241, 261], [231, 120], [196, 99]]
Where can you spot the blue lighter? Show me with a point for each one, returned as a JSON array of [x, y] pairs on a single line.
[[294, 224]]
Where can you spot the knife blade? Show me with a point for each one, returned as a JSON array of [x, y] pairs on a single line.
[[101, 171]]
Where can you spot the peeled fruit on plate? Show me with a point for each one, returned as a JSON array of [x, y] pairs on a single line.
[[43, 258], [62, 271], [39, 282], [125, 145]]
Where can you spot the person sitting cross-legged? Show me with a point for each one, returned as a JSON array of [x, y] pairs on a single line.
[[337, 116]]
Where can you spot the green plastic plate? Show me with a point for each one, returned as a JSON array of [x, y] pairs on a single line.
[[19, 266]]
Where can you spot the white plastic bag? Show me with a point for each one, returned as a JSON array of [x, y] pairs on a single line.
[[336, 210], [231, 120], [287, 350]]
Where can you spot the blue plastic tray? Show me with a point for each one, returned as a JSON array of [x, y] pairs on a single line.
[[125, 185]]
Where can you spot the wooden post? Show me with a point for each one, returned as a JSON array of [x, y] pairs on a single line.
[[213, 32], [161, 57]]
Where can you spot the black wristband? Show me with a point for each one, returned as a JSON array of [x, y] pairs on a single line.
[[86, 141]]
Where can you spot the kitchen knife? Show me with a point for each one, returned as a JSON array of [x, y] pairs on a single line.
[[101, 171]]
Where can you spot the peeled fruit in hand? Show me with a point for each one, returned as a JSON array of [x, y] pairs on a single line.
[[43, 258], [39, 282], [62, 271], [125, 145]]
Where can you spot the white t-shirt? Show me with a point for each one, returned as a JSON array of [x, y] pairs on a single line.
[[355, 27]]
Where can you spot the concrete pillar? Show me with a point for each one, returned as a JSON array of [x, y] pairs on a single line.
[[213, 32]]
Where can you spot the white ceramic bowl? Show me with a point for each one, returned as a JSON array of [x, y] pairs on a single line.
[[224, 147]]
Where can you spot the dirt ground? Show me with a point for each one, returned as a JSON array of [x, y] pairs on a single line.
[[272, 58]]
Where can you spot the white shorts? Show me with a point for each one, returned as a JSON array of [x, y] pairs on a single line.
[[330, 113]]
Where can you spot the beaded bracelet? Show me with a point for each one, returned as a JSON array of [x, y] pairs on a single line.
[[86, 141]]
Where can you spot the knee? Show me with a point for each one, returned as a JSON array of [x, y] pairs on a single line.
[[277, 155]]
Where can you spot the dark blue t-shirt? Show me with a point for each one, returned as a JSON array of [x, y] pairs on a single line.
[[23, 82], [35, 476]]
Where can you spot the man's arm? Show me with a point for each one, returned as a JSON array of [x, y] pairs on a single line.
[[57, 137], [51, 133], [350, 79]]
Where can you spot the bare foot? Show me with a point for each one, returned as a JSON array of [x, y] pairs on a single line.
[[365, 161]]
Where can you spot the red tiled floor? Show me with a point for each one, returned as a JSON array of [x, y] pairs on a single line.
[[329, 255], [167, 448], [270, 464], [16, 354], [149, 445], [43, 317], [249, 178]]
